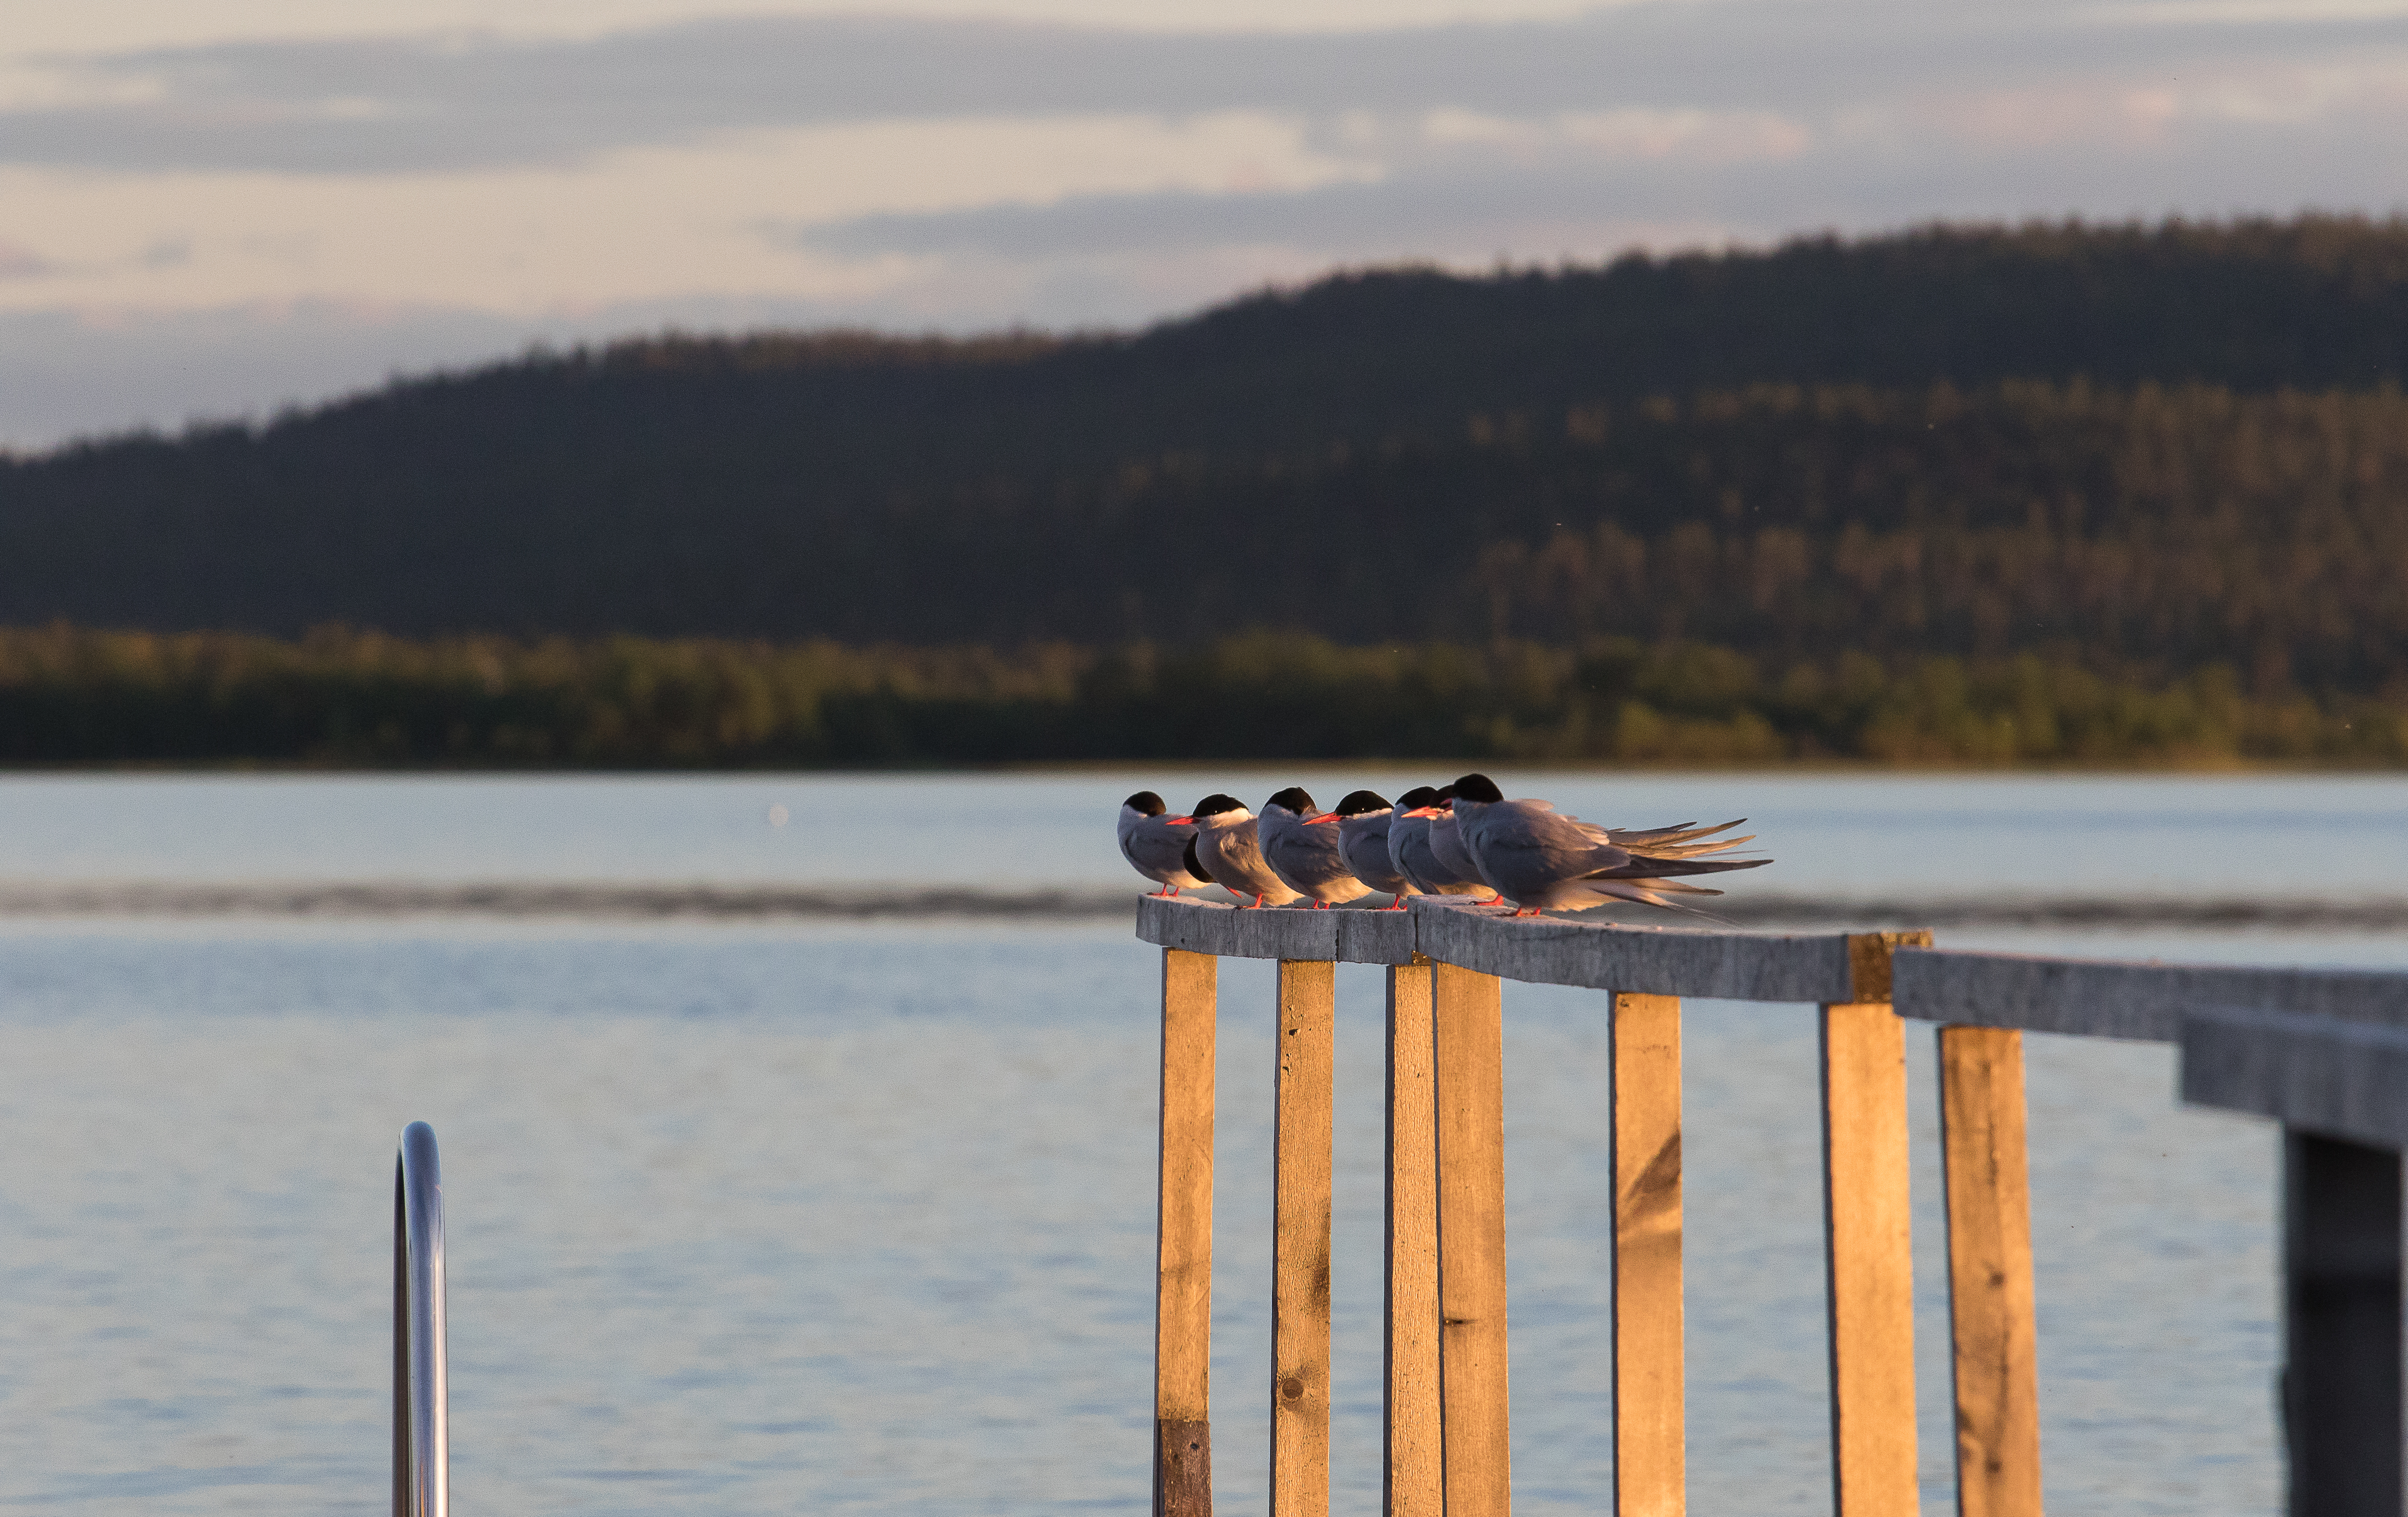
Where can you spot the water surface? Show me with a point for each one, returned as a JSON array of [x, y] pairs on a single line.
[[817, 1217]]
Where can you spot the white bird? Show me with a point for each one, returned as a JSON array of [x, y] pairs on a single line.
[[1418, 812], [1541, 860], [1227, 847], [1160, 847], [1363, 818], [1301, 842]]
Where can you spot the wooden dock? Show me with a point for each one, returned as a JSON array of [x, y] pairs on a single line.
[[2323, 1052]]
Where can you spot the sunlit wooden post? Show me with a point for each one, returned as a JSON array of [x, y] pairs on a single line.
[[1867, 1235], [1411, 1482], [1182, 1303], [1990, 1310], [1300, 1191], [1467, 1010], [1648, 1459]]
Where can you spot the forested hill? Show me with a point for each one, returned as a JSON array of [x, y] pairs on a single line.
[[2159, 446]]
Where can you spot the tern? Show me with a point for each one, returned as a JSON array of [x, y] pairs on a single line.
[[1540, 859], [1302, 845], [1363, 818], [1417, 814], [1227, 847], [1453, 854], [1160, 847]]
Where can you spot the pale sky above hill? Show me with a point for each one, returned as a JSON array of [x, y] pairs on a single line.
[[210, 210]]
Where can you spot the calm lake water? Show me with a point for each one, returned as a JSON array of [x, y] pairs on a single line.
[[841, 1218]]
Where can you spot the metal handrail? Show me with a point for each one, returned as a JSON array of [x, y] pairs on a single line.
[[422, 1432]]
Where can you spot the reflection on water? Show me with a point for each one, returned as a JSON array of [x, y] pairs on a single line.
[[861, 1220]]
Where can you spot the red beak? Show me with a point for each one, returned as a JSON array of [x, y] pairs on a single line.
[[1325, 817], [1180, 821]]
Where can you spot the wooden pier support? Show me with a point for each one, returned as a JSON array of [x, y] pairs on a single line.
[[1300, 1193], [1650, 1471], [2341, 1326], [1183, 1302], [1867, 1242], [1987, 1182], [1412, 1481], [1468, 1012]]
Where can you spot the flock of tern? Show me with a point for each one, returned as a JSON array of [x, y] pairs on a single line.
[[1464, 839]]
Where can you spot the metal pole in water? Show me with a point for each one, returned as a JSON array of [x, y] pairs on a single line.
[[422, 1435]]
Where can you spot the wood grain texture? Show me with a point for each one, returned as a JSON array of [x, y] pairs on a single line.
[[2103, 998], [1870, 1261], [1350, 935], [1468, 1013], [1649, 1466], [1656, 960], [1412, 1481], [1300, 1242], [1996, 1343], [2318, 1075], [1182, 1319]]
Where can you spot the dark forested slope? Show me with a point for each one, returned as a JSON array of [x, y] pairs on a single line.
[[2158, 446]]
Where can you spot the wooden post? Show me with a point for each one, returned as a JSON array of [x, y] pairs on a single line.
[[1411, 1484], [2340, 1326], [1301, 1240], [1183, 1301], [1867, 1239], [1649, 1467], [1467, 1011], [1988, 1191]]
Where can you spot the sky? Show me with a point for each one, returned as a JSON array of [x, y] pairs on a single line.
[[213, 208]]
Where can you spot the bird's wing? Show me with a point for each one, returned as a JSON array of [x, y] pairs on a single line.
[[1157, 845], [1531, 842]]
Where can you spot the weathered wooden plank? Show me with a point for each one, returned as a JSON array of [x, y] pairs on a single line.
[[2103, 998], [2320, 1075], [1996, 1347], [1285, 933], [1468, 1013], [1650, 1470], [1300, 1189], [1182, 1318], [1654, 961], [2340, 1326], [1413, 1470], [1870, 1259]]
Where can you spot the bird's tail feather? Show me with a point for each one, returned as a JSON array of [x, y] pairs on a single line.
[[1657, 868]]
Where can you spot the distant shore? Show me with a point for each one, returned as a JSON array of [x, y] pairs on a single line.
[[346, 699], [694, 901]]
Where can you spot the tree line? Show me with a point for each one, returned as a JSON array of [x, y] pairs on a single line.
[[340, 698], [2169, 443]]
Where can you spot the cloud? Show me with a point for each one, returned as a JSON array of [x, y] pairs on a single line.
[[1580, 186], [416, 105], [18, 261]]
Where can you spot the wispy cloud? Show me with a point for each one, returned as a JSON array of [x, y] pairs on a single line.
[[414, 105], [963, 173]]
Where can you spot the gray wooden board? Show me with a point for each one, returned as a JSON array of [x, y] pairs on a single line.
[[2340, 1079], [1646, 961], [1347, 936], [1548, 950], [2105, 998]]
